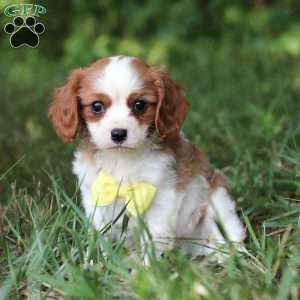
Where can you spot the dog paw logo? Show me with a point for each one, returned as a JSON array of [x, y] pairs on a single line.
[[24, 32]]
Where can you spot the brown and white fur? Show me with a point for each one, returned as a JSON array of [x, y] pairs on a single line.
[[191, 196]]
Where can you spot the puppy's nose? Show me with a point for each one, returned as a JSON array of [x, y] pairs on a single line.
[[119, 135]]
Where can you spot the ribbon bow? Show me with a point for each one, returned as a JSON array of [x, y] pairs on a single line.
[[137, 197]]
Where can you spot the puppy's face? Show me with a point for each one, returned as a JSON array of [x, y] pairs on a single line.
[[121, 102], [118, 105]]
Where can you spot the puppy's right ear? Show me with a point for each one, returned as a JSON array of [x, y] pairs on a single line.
[[64, 109]]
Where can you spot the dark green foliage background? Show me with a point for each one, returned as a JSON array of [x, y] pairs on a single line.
[[239, 62]]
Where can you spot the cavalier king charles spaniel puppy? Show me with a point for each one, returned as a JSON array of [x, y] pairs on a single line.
[[133, 157]]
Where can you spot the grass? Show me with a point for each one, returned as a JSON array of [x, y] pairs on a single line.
[[245, 114]]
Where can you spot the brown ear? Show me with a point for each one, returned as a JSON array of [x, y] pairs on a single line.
[[172, 105], [64, 109]]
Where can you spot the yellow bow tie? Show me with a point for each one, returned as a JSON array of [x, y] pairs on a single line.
[[137, 197]]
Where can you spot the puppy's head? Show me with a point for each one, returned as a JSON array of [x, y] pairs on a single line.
[[121, 102]]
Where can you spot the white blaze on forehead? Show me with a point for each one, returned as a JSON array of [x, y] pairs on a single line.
[[119, 78]]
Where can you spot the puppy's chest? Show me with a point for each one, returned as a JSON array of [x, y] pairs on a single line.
[[155, 168]]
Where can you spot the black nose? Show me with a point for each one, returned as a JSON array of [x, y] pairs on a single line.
[[119, 135]]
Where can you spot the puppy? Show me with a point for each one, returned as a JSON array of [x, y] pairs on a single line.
[[132, 156]]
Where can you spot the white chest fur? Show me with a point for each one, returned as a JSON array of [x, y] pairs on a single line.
[[149, 166], [153, 167]]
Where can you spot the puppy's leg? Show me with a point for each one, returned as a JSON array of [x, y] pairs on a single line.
[[161, 220], [103, 217], [221, 216]]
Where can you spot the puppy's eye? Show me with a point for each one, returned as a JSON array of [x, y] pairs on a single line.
[[97, 107], [139, 105]]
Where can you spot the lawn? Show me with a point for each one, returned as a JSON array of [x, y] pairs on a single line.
[[243, 84]]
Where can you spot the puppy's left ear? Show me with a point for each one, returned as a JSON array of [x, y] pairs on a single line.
[[172, 105]]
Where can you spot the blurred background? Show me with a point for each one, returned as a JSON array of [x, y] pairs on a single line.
[[239, 62]]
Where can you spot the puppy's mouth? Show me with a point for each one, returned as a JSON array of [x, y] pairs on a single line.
[[121, 147]]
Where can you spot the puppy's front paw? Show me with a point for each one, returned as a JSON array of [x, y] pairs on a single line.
[[220, 252]]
